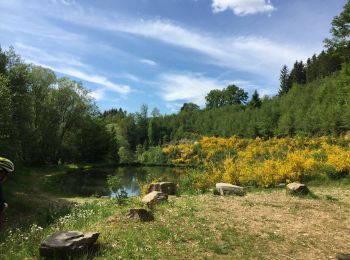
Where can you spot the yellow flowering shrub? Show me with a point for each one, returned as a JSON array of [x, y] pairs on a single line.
[[262, 162]]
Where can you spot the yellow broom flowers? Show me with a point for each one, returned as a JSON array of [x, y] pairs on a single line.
[[262, 162]]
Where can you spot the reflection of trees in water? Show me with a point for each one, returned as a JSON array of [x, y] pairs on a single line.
[[129, 177], [89, 183], [84, 184]]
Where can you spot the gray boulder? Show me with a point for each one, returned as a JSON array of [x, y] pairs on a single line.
[[140, 214], [155, 197], [165, 187], [229, 189], [296, 188], [65, 244]]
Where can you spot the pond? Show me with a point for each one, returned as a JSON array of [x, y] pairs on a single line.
[[90, 182]]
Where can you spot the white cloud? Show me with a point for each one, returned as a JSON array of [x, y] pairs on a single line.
[[128, 76], [27, 24], [253, 55], [42, 56], [97, 79], [177, 88], [98, 94], [243, 7], [148, 62], [257, 55], [71, 66], [68, 2], [187, 87]]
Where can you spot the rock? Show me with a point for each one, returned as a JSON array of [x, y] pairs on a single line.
[[140, 214], [343, 256], [229, 189], [165, 187], [297, 188], [64, 244], [280, 185], [155, 197]]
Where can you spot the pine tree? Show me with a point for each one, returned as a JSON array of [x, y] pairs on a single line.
[[298, 74], [284, 81], [255, 102]]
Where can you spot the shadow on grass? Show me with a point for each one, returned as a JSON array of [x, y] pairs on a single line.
[[29, 203]]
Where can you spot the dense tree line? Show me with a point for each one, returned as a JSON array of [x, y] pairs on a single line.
[[45, 119], [318, 108], [316, 67]]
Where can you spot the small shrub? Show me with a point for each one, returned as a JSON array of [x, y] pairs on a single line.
[[186, 183], [115, 185]]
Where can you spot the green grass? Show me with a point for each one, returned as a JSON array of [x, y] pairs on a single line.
[[201, 226], [177, 232]]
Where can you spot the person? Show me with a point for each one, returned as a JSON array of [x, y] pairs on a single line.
[[6, 167]]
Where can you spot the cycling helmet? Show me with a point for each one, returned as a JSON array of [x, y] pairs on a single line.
[[7, 165]]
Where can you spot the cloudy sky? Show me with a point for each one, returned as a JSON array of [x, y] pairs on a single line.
[[166, 52]]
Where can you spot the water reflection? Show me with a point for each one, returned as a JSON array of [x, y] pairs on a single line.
[[93, 181]]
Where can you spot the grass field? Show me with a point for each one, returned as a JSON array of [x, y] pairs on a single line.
[[264, 224]]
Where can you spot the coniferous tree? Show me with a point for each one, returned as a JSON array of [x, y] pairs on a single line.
[[284, 81], [255, 102], [298, 74]]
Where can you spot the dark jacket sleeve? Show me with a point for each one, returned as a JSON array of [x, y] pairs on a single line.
[[2, 200]]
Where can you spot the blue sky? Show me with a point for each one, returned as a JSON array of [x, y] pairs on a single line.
[[166, 52]]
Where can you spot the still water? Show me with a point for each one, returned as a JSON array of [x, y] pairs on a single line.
[[93, 181]]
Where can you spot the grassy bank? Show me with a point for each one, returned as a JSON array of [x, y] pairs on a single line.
[[265, 224], [32, 199]]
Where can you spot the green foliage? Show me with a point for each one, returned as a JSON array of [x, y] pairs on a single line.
[[322, 65], [343, 96], [314, 109], [154, 155], [228, 96], [340, 33], [186, 182], [115, 185], [189, 107], [6, 123], [93, 142], [284, 81], [45, 120], [255, 101], [125, 155], [298, 73], [152, 132], [155, 112]]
